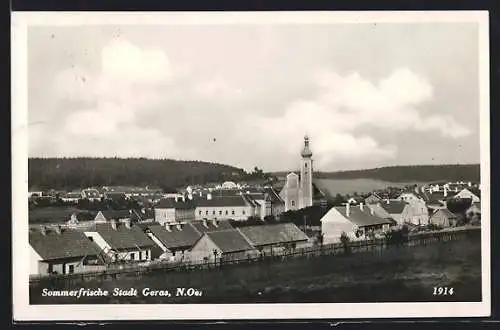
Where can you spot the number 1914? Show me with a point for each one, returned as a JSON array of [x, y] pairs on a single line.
[[442, 291]]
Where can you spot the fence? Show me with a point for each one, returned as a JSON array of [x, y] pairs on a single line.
[[114, 270]]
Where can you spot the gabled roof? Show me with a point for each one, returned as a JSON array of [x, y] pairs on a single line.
[[447, 213], [69, 244], [394, 206], [435, 196], [476, 192], [175, 238], [116, 214], [362, 218], [223, 202], [123, 237], [273, 234], [230, 240], [170, 203], [274, 196], [199, 225]]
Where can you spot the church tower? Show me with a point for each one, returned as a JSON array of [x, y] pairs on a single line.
[[306, 172]]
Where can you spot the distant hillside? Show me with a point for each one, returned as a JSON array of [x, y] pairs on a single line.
[[421, 173], [69, 173]]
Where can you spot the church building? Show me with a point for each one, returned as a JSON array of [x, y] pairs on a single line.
[[298, 190]]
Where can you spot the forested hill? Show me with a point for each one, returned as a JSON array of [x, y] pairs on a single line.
[[69, 173], [420, 173]]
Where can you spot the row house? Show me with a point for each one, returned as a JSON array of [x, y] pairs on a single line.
[[60, 250], [276, 238], [121, 241], [175, 241], [225, 245]]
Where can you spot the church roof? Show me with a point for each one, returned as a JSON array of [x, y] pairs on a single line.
[[306, 152]]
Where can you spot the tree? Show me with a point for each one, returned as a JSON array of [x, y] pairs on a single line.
[[344, 239]]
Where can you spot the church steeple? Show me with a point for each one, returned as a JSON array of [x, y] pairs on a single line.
[[306, 152]]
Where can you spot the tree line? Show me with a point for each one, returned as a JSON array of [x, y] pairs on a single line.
[[418, 173], [73, 173]]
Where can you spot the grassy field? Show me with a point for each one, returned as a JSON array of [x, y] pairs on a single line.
[[394, 275]]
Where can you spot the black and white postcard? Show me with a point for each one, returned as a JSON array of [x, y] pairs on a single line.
[[250, 165]]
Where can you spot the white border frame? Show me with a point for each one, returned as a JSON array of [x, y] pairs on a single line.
[[22, 311]]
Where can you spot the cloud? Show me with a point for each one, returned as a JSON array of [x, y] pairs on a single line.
[[345, 105], [124, 61], [217, 88]]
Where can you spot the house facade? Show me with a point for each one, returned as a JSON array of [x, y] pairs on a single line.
[[62, 251], [236, 208], [357, 222], [276, 238], [467, 194], [176, 241], [444, 218], [398, 210], [121, 241], [173, 211], [222, 245]]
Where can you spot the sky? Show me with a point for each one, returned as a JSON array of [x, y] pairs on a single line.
[[367, 95]]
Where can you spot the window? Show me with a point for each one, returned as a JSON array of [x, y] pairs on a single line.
[[243, 212], [71, 269], [206, 213], [213, 212], [91, 238], [200, 212], [132, 256], [305, 165], [227, 212], [220, 212], [232, 212], [293, 203]]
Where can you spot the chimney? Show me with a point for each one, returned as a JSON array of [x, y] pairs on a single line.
[[445, 192], [128, 223], [215, 223], [113, 224], [168, 228], [201, 193], [423, 189], [387, 201], [209, 196], [361, 206], [58, 229], [347, 209], [469, 184], [190, 196], [43, 230], [456, 189], [205, 223], [175, 198]]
